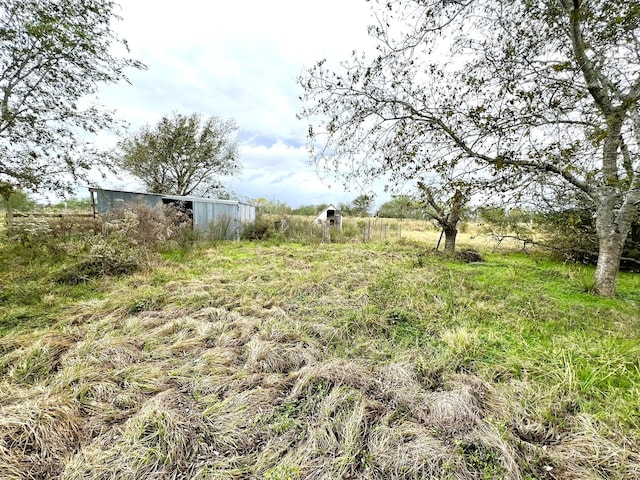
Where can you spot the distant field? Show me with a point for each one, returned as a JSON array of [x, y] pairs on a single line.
[[282, 360], [470, 235]]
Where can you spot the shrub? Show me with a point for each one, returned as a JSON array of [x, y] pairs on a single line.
[[222, 228], [500, 222], [129, 239], [145, 226], [349, 233], [300, 229], [260, 229], [572, 234], [34, 231], [105, 257], [283, 228]]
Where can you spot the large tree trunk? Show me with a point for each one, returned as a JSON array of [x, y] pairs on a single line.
[[609, 253], [9, 217], [450, 234], [448, 221], [612, 227]]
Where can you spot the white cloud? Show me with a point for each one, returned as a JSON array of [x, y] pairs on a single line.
[[281, 172], [240, 60]]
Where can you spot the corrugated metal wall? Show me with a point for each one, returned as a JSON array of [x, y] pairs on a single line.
[[246, 213], [220, 219], [109, 199], [223, 218]]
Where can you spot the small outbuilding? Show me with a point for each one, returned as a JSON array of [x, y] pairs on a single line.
[[330, 216], [204, 212]]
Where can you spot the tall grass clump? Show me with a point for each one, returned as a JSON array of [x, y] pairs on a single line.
[[130, 238], [298, 229], [223, 228]]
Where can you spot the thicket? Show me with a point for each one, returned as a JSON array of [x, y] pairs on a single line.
[[569, 234], [291, 228], [116, 243], [572, 234]]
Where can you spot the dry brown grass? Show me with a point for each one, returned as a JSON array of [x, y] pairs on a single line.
[[470, 235], [37, 434], [200, 388], [219, 395]]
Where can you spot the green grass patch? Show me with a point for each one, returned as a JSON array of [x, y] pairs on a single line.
[[30, 295], [357, 348]]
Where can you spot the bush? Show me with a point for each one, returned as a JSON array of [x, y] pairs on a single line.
[[572, 234], [350, 232], [300, 229], [145, 226], [260, 229], [129, 239], [221, 228], [296, 229], [33, 231], [105, 257]]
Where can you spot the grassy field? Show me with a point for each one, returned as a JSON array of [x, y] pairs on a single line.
[[284, 360]]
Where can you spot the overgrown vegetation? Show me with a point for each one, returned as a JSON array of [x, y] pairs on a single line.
[[299, 229], [572, 233], [567, 233], [404, 115], [288, 360]]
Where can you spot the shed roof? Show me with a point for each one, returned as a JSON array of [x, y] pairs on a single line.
[[329, 207], [173, 197]]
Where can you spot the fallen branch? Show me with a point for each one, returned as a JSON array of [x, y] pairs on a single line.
[[569, 254]]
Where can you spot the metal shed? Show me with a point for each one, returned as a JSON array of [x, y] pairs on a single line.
[[330, 216], [205, 212]]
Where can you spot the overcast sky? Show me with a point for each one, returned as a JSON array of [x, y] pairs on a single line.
[[240, 60]]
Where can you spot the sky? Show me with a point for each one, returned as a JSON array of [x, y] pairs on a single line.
[[240, 60]]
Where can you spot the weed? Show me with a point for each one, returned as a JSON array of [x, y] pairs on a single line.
[[283, 472], [460, 341], [483, 460], [584, 277]]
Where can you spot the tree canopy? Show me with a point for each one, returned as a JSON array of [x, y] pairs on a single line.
[[537, 94], [361, 206], [401, 206], [264, 205], [54, 54], [183, 154], [18, 200], [309, 209]]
